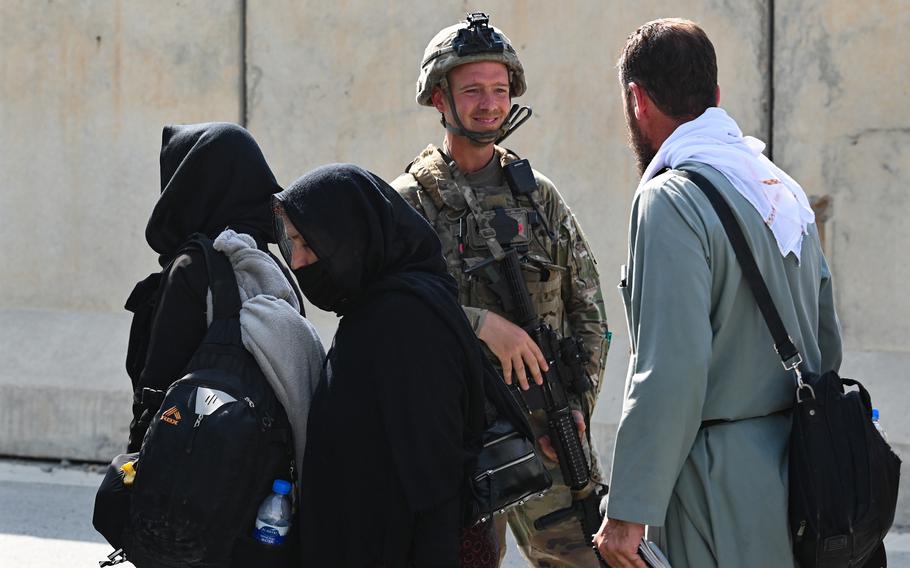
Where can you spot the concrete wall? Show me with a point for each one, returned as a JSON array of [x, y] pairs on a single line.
[[842, 127], [313, 101], [85, 88]]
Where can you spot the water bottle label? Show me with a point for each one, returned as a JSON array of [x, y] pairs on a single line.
[[268, 534]]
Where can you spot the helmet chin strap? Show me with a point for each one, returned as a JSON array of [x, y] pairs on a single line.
[[517, 116]]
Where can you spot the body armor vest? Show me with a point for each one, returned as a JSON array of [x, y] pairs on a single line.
[[466, 230]]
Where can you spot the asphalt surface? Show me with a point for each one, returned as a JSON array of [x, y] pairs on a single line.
[[46, 519]]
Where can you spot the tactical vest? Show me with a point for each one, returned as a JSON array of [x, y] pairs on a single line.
[[465, 232]]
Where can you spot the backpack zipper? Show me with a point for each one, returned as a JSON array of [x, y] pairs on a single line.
[[500, 439], [264, 419], [504, 466], [189, 447]]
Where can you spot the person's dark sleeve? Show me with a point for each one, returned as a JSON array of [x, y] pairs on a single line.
[[179, 323], [177, 330]]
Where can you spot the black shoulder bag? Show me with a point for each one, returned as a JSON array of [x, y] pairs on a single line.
[[508, 470], [843, 475]]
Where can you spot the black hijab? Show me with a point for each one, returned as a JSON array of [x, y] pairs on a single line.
[[363, 233], [372, 242], [213, 176]]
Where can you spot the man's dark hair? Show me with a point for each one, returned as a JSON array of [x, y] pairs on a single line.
[[674, 62]]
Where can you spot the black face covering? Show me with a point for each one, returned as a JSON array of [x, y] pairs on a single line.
[[316, 284], [361, 230], [213, 176]]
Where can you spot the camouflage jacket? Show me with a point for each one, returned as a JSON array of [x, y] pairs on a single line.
[[561, 275]]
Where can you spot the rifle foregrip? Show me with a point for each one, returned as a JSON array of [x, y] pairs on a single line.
[[572, 462]]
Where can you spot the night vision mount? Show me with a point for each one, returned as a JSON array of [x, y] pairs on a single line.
[[478, 37]]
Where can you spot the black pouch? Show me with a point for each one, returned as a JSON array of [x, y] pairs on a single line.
[[508, 472], [112, 502]]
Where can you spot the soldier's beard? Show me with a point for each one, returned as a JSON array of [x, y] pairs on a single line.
[[638, 141]]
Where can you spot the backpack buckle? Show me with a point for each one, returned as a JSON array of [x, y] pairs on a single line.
[[114, 558]]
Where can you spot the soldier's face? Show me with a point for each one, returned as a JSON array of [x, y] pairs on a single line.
[[481, 94]]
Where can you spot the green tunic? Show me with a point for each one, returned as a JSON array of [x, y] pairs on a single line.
[[701, 351]]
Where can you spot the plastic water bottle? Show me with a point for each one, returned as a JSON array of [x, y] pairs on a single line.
[[274, 517], [878, 425]]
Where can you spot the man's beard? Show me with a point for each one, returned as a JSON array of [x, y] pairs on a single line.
[[638, 141]]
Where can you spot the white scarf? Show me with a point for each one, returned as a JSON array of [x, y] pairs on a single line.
[[715, 139]]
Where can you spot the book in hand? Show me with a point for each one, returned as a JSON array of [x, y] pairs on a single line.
[[652, 555]]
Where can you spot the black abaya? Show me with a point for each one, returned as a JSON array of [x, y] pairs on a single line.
[[213, 177], [396, 423]]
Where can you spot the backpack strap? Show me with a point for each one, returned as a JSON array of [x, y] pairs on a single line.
[[784, 346], [225, 326]]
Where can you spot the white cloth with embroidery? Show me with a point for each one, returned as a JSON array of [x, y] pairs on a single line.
[[715, 139]]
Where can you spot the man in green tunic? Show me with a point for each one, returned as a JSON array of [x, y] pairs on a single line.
[[469, 74], [701, 449]]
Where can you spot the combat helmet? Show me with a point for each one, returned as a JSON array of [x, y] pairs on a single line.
[[467, 42]]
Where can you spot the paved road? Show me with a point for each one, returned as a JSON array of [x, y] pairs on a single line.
[[46, 519]]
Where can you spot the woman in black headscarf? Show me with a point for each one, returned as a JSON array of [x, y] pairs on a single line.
[[213, 177], [396, 421]]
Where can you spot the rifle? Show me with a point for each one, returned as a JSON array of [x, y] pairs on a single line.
[[587, 510], [565, 358]]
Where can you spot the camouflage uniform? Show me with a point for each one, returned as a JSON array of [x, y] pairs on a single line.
[[563, 282]]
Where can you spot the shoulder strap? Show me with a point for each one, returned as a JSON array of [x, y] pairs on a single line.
[[789, 355], [487, 232], [225, 326], [426, 168], [506, 156], [225, 296]]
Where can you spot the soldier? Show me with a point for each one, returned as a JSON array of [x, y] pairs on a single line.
[[473, 193]]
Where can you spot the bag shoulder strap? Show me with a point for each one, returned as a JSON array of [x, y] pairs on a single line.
[[225, 326], [222, 281], [784, 346]]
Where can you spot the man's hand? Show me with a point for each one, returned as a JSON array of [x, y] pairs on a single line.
[[514, 348], [546, 446], [617, 542]]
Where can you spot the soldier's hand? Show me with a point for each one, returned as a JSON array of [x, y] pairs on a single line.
[[514, 348], [546, 446], [617, 542]]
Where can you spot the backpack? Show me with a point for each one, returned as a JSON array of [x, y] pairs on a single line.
[[209, 457]]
